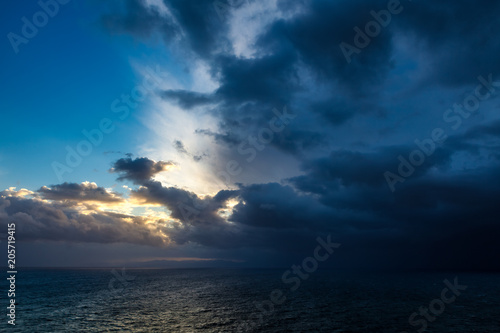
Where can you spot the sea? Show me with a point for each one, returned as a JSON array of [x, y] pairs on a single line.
[[251, 300]]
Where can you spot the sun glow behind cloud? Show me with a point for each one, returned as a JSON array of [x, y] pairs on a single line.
[[168, 123], [226, 212]]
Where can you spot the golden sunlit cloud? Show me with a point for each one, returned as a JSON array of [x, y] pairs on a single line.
[[20, 193]]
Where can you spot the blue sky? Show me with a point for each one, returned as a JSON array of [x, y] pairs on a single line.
[[60, 83]]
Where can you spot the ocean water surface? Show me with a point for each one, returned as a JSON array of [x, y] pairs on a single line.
[[232, 300]]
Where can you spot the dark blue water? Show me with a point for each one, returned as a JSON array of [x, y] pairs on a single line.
[[218, 300]]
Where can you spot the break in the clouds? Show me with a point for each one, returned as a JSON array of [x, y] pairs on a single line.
[[268, 134]]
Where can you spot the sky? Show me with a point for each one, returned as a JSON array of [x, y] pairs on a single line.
[[234, 133]]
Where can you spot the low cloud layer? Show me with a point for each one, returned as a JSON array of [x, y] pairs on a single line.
[[78, 192], [429, 224], [62, 221]]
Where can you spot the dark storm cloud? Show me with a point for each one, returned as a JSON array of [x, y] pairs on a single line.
[[444, 216], [316, 34], [491, 130], [199, 22], [253, 225], [138, 170], [249, 90], [131, 16], [337, 110], [451, 216], [78, 192], [296, 141], [459, 36], [278, 207], [441, 220], [428, 215], [194, 22], [268, 79], [333, 112], [482, 138], [227, 138], [348, 168], [187, 99]]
